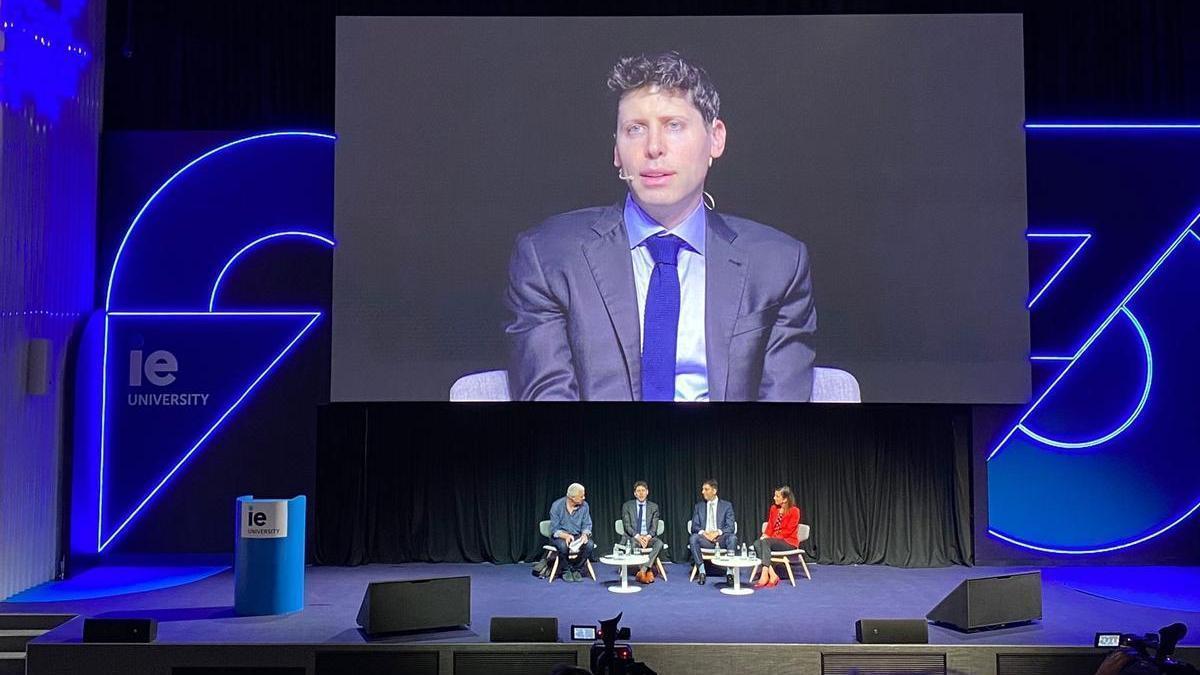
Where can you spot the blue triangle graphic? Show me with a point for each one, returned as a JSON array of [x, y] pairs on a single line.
[[171, 381]]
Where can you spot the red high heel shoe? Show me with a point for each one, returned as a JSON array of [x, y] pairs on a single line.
[[773, 583]]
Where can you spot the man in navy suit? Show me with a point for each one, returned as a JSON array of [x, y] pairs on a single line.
[[658, 298], [712, 524]]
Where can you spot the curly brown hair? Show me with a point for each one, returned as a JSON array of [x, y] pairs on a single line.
[[671, 71]]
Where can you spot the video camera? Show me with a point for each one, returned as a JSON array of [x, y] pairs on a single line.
[[1139, 648], [608, 657]]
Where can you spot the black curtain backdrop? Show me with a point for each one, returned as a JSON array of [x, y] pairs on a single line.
[[441, 482]]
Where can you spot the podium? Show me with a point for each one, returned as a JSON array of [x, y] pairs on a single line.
[[268, 566]]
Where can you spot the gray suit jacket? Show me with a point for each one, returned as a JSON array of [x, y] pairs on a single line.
[[629, 516], [575, 331]]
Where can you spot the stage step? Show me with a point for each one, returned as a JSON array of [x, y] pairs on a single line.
[[12, 663], [31, 621], [14, 640], [16, 630]]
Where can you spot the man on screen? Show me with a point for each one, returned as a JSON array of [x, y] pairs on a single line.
[[658, 297]]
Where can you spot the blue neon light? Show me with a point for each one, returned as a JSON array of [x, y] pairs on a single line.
[[1128, 421], [292, 233], [103, 427], [1053, 235], [219, 313], [1096, 333], [1090, 551], [1025, 450], [177, 174], [222, 418], [101, 542], [1120, 308], [1107, 126]]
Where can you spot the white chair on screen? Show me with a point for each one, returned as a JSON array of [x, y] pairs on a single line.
[[490, 385], [834, 385], [830, 385]]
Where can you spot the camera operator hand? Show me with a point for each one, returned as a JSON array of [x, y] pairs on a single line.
[[1114, 662]]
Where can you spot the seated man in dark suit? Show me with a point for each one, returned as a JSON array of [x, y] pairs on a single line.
[[571, 523], [659, 297], [712, 525], [640, 519]]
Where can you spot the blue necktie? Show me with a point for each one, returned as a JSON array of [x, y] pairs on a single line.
[[660, 327], [641, 519]]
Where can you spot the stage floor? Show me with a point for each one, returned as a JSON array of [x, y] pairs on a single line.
[[818, 611]]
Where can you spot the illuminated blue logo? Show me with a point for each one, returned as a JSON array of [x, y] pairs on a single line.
[[175, 364], [1105, 456]]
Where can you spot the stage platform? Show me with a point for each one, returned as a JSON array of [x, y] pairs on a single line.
[[677, 626]]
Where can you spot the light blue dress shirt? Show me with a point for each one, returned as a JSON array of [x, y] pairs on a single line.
[[691, 361]]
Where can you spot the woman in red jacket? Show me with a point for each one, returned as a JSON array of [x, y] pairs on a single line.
[[779, 535]]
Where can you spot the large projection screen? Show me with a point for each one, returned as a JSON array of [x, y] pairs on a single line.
[[891, 145]]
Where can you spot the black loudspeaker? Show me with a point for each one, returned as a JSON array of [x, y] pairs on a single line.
[[524, 629], [892, 631], [119, 630], [991, 602], [420, 604]]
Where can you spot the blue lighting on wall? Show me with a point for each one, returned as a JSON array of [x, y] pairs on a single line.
[[188, 167], [1120, 309], [1093, 551], [107, 581], [1104, 457], [41, 312], [312, 318], [200, 218], [42, 62]]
